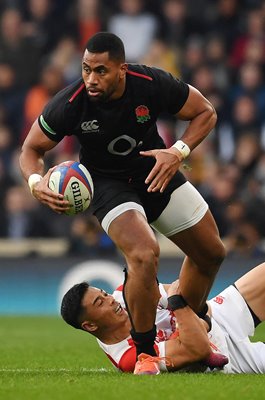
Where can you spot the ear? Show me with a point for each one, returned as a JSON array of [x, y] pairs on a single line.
[[89, 326], [123, 70]]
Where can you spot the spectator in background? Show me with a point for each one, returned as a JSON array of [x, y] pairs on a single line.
[[244, 118], [175, 22], [11, 101], [6, 146], [22, 217], [14, 220], [41, 24], [162, 55], [50, 82], [247, 157], [253, 29], [18, 50], [226, 22], [203, 79], [90, 20], [193, 57], [247, 154], [179, 23], [87, 238], [66, 57], [17, 221], [244, 241], [6, 181], [215, 58], [254, 52], [222, 192], [259, 174], [136, 27], [250, 83]]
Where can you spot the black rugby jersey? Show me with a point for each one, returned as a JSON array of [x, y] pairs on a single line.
[[111, 134]]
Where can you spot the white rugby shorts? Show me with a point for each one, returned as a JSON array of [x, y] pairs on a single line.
[[232, 314], [184, 210]]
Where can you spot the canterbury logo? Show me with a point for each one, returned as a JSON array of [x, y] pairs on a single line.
[[90, 126]]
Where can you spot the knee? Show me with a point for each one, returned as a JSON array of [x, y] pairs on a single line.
[[144, 258], [219, 254], [215, 256]]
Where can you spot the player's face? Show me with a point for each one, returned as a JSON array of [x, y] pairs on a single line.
[[102, 309], [104, 79]]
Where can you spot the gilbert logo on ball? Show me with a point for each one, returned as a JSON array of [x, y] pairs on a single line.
[[74, 182]]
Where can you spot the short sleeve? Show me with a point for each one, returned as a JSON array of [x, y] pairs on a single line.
[[52, 119], [171, 91], [127, 361]]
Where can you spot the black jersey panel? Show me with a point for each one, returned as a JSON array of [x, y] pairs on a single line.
[[169, 92], [57, 119], [112, 134]]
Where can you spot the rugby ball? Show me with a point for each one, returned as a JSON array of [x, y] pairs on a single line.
[[74, 182]]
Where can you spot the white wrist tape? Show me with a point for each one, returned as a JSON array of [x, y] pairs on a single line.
[[34, 178], [183, 148]]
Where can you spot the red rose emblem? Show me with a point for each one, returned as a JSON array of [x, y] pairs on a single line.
[[142, 114]]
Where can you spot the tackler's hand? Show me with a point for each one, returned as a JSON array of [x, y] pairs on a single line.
[[173, 288]]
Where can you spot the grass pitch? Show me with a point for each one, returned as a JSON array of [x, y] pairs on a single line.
[[41, 358]]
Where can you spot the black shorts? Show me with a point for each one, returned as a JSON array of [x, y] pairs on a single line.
[[109, 193]]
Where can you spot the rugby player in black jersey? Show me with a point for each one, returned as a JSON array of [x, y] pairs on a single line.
[[112, 110]]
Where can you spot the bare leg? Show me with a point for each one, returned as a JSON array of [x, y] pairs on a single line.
[[205, 253], [132, 234]]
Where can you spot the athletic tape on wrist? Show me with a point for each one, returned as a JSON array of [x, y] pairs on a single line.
[[176, 302], [183, 148], [34, 178]]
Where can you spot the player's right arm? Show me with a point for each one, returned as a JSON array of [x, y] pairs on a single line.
[[31, 161]]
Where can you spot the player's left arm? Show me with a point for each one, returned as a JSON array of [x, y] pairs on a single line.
[[191, 344], [202, 118]]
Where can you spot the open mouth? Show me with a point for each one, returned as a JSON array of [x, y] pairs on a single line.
[[118, 309], [93, 92]]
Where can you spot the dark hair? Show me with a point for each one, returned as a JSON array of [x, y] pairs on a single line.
[[71, 307], [103, 42]]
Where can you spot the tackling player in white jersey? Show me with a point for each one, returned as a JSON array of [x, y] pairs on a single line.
[[182, 338]]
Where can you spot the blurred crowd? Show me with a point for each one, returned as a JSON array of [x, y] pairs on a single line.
[[216, 46]]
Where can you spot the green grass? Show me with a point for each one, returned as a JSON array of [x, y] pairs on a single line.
[[42, 359]]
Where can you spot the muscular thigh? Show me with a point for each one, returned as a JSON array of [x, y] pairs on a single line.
[[131, 232], [201, 242]]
